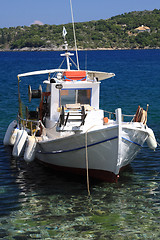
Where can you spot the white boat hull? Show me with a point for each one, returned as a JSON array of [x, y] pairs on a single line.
[[107, 151], [70, 132]]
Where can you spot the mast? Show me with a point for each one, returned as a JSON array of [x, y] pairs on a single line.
[[66, 54], [74, 35]]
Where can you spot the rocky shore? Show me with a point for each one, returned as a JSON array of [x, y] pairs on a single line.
[[41, 49]]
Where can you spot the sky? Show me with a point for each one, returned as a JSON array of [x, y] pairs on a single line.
[[25, 12]]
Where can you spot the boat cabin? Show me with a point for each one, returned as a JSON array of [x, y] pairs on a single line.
[[72, 97], [69, 101]]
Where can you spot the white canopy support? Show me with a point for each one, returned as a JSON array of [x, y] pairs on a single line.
[[40, 72], [91, 74], [99, 75]]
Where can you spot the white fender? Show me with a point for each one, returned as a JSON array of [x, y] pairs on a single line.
[[10, 129], [13, 137], [19, 143], [151, 140], [30, 149]]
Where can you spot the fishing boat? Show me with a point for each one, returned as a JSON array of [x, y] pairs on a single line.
[[69, 132]]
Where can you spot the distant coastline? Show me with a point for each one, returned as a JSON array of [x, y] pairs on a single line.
[[26, 49], [134, 30]]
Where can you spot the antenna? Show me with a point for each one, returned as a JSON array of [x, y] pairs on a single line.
[[74, 34]]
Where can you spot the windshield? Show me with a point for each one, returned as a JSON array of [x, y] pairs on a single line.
[[71, 96]]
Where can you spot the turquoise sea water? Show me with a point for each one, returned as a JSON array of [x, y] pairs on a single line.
[[36, 203]]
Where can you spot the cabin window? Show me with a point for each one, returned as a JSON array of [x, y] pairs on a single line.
[[71, 96]]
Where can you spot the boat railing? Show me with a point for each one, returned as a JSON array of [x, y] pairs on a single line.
[[112, 116], [33, 125], [128, 116]]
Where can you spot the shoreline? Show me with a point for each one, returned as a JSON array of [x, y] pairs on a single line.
[[60, 49]]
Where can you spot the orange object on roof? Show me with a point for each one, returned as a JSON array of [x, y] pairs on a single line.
[[74, 75]]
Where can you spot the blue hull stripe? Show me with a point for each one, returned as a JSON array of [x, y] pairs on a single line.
[[90, 145], [76, 149], [132, 142]]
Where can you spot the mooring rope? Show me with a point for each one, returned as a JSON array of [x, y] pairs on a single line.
[[158, 144], [87, 164]]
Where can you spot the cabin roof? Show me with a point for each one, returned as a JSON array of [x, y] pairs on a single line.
[[91, 74]]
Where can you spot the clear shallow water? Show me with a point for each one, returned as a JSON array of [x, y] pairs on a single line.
[[36, 203]]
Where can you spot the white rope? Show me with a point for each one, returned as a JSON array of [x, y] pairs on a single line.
[[87, 167], [74, 35], [61, 64], [87, 164], [158, 144]]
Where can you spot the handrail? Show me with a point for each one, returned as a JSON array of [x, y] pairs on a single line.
[[38, 122], [123, 115]]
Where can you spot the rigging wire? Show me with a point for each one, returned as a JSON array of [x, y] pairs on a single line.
[[73, 62], [74, 34], [86, 60]]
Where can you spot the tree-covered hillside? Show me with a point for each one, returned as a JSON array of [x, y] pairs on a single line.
[[116, 32]]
